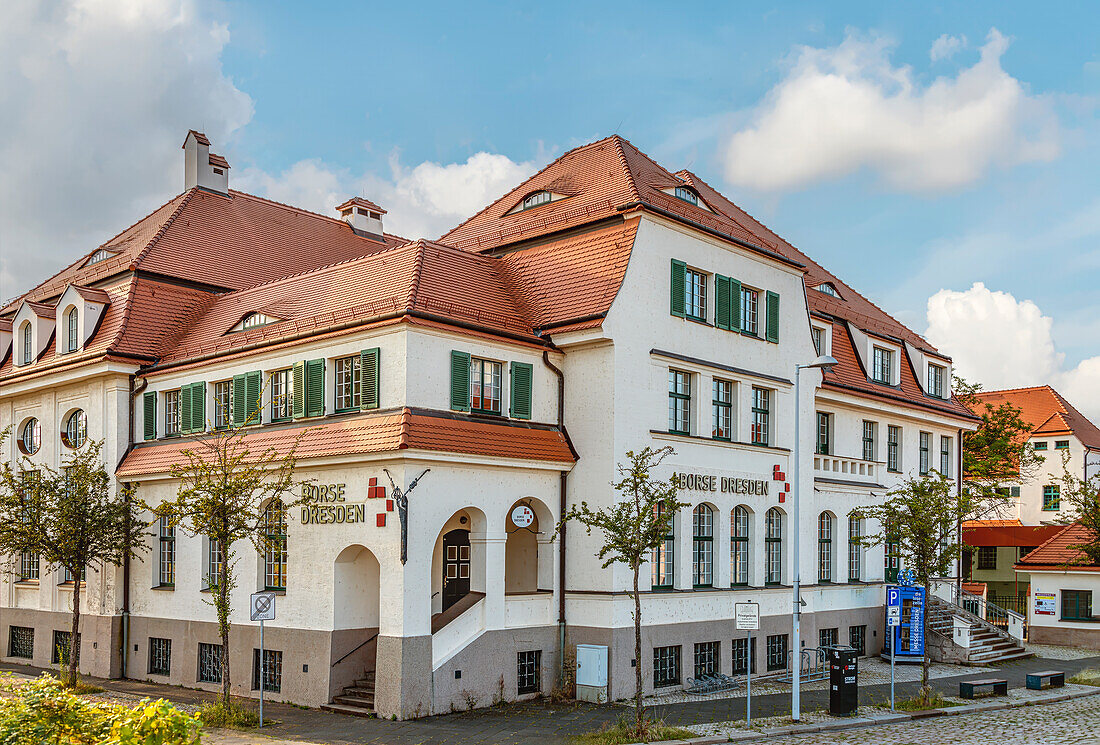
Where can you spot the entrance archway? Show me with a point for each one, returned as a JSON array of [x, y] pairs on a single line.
[[356, 579], [456, 566], [528, 553]]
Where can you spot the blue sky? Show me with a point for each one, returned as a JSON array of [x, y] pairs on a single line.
[[962, 144]]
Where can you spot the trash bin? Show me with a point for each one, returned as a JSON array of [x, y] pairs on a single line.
[[843, 684]]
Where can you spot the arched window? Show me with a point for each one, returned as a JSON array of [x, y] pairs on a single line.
[[855, 549], [25, 330], [825, 547], [702, 546], [275, 554], [30, 437], [534, 200], [76, 429], [72, 340], [773, 547], [687, 195], [739, 546], [662, 557]]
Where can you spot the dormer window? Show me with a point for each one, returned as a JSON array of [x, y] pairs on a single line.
[[935, 380], [72, 329], [883, 366], [828, 289], [99, 256], [687, 195], [25, 334], [536, 199], [254, 320]]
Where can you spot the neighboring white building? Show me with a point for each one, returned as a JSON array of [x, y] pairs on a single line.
[[603, 305], [1065, 590]]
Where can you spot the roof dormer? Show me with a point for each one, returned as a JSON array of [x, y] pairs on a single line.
[[536, 199], [32, 326], [77, 315], [363, 215], [828, 288], [687, 194], [5, 337], [254, 320]]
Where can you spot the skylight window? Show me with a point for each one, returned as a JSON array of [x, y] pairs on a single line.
[[99, 256], [686, 195], [828, 289], [534, 200], [253, 320]]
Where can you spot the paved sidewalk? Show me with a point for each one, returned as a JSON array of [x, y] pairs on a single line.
[[537, 721]]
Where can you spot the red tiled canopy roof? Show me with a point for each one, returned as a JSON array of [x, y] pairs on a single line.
[[1057, 554], [1047, 412], [1009, 535]]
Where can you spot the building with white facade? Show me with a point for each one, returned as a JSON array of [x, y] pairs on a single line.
[[1065, 587], [603, 305]]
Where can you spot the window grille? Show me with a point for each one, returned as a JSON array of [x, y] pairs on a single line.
[[21, 642], [857, 639], [60, 651], [210, 663], [741, 656], [777, 652], [160, 656], [271, 676], [706, 659], [666, 666], [529, 672]]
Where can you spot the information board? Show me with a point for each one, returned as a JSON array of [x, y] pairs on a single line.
[[1045, 603], [910, 624]]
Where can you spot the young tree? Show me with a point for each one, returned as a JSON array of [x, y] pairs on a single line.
[[71, 518], [224, 493], [1083, 497], [920, 516], [633, 527]]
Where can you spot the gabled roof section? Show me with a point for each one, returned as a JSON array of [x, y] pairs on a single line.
[[1056, 553], [1047, 411]]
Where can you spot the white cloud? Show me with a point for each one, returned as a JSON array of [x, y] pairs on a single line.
[[848, 108], [421, 202], [1002, 342], [945, 47], [95, 98]]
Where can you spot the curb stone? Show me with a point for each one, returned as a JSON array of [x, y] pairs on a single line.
[[875, 720]]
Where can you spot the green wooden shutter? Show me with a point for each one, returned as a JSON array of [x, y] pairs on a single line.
[[198, 407], [722, 302], [676, 298], [772, 331], [460, 381], [298, 399], [735, 305], [521, 373], [368, 378], [149, 402], [315, 388], [252, 396], [240, 393], [185, 409]]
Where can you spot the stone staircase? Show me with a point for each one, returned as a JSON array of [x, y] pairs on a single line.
[[987, 642], [357, 698]]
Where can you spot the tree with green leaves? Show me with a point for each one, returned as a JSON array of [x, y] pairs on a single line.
[[71, 518], [920, 516], [229, 493], [1083, 497], [633, 527]]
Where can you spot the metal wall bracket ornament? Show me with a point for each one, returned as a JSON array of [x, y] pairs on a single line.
[[401, 499]]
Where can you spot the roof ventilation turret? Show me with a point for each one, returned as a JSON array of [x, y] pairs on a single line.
[[201, 167], [364, 216]]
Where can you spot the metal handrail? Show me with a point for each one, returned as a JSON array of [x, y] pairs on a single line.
[[349, 654], [993, 612]]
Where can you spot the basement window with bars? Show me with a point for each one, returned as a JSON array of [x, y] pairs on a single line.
[[21, 642], [529, 672], [857, 639], [160, 656], [706, 659], [210, 663], [741, 656], [666, 666], [777, 652], [272, 673], [60, 652], [828, 637]]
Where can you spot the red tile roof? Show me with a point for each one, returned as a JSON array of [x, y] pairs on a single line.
[[375, 433], [1047, 412], [217, 160], [974, 588], [1009, 535], [991, 523], [360, 202], [1056, 553], [92, 295]]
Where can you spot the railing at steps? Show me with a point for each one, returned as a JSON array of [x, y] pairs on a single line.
[[1007, 623], [349, 654]]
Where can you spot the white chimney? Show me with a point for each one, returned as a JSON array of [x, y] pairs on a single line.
[[364, 217], [201, 167]]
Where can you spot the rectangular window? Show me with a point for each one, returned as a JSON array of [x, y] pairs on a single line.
[[21, 642], [773, 547], [29, 567], [1061, 444], [172, 413], [275, 546], [828, 637], [761, 416], [1077, 605], [166, 553], [945, 456], [347, 383], [485, 386], [777, 652], [60, 652], [892, 557], [893, 448], [270, 676], [67, 576], [695, 295], [750, 311], [282, 395], [819, 339], [855, 549], [739, 546], [882, 370], [823, 433], [825, 548], [706, 659], [741, 661], [702, 546], [1052, 498], [869, 440], [661, 560], [529, 672], [223, 403], [987, 557], [1040, 446], [666, 666], [722, 410], [210, 663], [935, 381], [857, 639], [679, 402], [925, 453], [214, 560], [160, 656]]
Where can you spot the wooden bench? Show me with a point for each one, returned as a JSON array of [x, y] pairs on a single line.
[[997, 686], [1053, 678]]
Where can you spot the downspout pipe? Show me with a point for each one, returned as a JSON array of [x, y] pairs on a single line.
[[562, 506], [134, 393], [958, 526]]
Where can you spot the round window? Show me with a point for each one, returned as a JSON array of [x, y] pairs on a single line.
[[30, 437], [76, 429]]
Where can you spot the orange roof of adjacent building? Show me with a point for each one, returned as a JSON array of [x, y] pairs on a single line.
[[405, 429], [1057, 552], [1008, 535], [1048, 413]]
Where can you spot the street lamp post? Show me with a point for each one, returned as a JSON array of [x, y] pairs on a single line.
[[822, 362]]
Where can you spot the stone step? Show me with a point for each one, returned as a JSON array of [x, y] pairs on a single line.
[[365, 682], [359, 690], [353, 711], [999, 656], [360, 701]]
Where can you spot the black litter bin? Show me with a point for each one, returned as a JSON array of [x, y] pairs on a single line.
[[843, 685]]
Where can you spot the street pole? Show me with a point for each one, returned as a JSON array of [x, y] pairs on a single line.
[[261, 672], [748, 697], [893, 654], [796, 618]]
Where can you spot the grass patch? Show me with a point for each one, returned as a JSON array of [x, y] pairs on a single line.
[[234, 716], [83, 689], [623, 732], [933, 700], [1088, 677]]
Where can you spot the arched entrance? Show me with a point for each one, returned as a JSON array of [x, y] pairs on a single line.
[[528, 553], [458, 563], [456, 566]]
